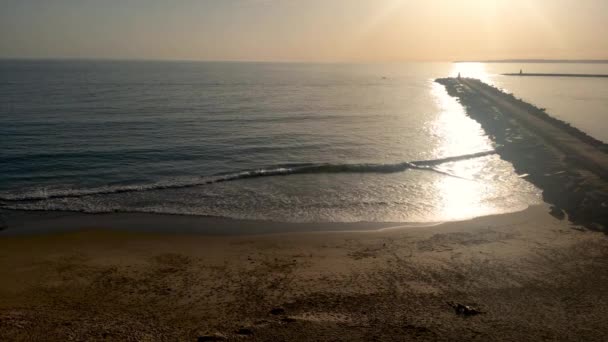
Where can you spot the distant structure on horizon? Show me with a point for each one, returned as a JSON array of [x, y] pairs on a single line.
[[586, 61]]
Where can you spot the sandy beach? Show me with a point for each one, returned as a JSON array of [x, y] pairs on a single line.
[[530, 275]]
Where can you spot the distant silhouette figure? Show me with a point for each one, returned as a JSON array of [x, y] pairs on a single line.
[[521, 71], [458, 75]]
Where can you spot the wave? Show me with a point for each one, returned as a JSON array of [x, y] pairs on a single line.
[[45, 194]]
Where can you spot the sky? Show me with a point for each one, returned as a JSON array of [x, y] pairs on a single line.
[[305, 30]]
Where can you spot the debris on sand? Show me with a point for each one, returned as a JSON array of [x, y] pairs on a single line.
[[464, 310], [277, 311], [212, 337], [288, 320], [244, 332]]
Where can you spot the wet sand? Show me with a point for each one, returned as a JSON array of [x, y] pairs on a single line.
[[531, 275]]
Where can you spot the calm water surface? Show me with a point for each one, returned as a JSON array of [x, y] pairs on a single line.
[[286, 142]]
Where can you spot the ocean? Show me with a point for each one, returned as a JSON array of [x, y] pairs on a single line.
[[265, 141]]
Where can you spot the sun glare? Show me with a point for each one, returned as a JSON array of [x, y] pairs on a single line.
[[471, 70], [459, 135]]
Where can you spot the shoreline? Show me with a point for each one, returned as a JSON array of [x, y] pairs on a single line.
[[49, 222]]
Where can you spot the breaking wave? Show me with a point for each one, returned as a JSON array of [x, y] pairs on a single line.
[[45, 194]]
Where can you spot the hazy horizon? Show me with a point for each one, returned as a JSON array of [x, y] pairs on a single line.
[[304, 31], [144, 59]]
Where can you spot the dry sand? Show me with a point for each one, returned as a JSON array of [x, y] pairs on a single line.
[[533, 277]]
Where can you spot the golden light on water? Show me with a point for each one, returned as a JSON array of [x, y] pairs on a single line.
[[458, 134], [461, 195], [460, 198]]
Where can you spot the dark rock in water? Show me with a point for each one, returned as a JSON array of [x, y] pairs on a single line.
[[464, 310], [557, 213], [277, 311], [212, 337], [245, 331]]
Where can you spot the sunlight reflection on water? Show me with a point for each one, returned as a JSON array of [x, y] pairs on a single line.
[[463, 197]]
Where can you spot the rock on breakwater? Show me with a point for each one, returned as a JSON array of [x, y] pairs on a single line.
[[570, 166]]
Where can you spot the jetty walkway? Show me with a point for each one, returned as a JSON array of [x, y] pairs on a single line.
[[593, 158]]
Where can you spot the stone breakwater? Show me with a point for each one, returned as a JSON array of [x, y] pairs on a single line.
[[556, 75], [570, 166]]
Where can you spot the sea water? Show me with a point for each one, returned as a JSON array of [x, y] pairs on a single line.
[[271, 141]]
